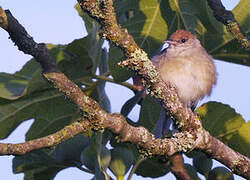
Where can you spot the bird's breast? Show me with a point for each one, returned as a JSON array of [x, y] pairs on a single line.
[[193, 78]]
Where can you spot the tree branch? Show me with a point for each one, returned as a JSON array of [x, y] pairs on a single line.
[[48, 141], [138, 61], [227, 18], [178, 168], [125, 84], [238, 163], [96, 116], [192, 136]]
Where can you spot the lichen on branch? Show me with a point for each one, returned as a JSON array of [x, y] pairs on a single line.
[[227, 18], [191, 135]]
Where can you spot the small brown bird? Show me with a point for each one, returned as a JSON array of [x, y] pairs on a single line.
[[185, 64]]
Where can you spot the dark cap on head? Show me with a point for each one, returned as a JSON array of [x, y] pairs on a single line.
[[182, 34]]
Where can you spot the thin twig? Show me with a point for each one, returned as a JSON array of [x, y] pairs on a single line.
[[137, 163], [128, 85], [84, 170]]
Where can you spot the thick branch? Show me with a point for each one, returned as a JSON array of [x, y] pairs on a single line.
[[25, 42], [227, 18], [138, 61], [118, 124], [238, 163], [93, 112], [194, 137]]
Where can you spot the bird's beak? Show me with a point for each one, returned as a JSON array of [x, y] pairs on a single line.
[[167, 44], [164, 46]]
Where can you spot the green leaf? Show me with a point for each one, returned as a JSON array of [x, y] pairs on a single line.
[[202, 163], [89, 157], [240, 141], [153, 167], [74, 60], [115, 56], [48, 107], [149, 114], [32, 160], [12, 86], [121, 161], [45, 164], [93, 28], [102, 96], [96, 156], [224, 123], [145, 21], [191, 171], [220, 173], [230, 50], [150, 22], [104, 159], [198, 18], [70, 150], [42, 173], [50, 116], [50, 110]]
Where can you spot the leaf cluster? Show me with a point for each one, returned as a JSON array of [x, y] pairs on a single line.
[[26, 95]]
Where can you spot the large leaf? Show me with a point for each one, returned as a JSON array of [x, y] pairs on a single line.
[[115, 56], [149, 114], [50, 110], [93, 28], [45, 164], [37, 99], [224, 123], [153, 167], [142, 19], [149, 22], [32, 160], [98, 55], [70, 150], [121, 161], [240, 141], [196, 16], [42, 173], [74, 60]]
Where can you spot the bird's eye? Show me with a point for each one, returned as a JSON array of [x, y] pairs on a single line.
[[183, 40]]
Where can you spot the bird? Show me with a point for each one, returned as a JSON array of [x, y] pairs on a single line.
[[186, 65]]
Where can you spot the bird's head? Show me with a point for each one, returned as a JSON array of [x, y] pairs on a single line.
[[179, 39]]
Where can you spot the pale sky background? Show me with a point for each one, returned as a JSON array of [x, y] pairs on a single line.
[[54, 21]]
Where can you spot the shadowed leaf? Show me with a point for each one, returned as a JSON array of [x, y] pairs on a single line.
[[224, 123]]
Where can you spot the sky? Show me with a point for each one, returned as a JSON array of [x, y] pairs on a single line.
[[57, 22]]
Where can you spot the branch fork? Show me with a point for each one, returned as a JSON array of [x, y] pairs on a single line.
[[191, 135]]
